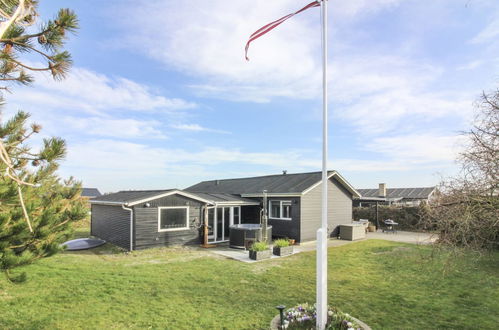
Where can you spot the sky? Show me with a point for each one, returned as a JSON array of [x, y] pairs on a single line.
[[160, 95]]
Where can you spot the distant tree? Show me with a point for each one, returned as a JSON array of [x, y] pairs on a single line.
[[51, 204], [35, 207], [466, 210]]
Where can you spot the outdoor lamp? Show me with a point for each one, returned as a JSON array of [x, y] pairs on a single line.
[[281, 313]]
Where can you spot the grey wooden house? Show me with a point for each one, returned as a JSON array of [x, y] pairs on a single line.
[[141, 219]]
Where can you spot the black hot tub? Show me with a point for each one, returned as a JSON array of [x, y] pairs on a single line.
[[247, 232]]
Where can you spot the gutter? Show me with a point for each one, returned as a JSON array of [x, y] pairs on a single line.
[[131, 224]]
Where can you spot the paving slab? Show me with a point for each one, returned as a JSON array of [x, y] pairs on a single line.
[[242, 255]]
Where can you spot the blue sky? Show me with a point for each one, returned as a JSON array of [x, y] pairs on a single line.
[[160, 95]]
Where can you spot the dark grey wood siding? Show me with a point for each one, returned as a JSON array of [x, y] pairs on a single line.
[[280, 228], [339, 210], [111, 223], [250, 214], [146, 223], [287, 228]]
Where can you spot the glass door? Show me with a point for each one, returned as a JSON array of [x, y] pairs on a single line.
[[220, 220], [219, 225], [211, 225]]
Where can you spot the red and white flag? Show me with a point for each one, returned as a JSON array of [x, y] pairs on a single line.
[[269, 27]]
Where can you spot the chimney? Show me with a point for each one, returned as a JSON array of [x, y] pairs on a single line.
[[382, 190], [284, 172]]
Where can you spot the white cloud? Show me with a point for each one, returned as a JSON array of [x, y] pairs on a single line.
[[418, 149], [489, 34], [372, 91], [112, 127], [206, 40], [471, 65], [197, 128], [94, 92], [114, 164]]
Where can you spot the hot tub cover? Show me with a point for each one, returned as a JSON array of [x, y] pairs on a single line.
[[83, 244]]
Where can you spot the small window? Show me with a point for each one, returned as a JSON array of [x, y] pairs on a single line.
[[280, 210], [275, 209], [236, 215], [286, 209], [173, 218]]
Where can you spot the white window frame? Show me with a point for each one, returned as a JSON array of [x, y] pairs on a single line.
[[280, 209], [173, 207]]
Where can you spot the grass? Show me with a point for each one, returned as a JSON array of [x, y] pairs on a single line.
[[386, 284]]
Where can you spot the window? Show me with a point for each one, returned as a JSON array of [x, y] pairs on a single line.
[[280, 210], [275, 209], [173, 218], [286, 209], [237, 211]]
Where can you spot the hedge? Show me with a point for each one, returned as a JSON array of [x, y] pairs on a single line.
[[408, 217]]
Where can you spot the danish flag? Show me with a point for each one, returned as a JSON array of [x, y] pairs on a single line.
[[269, 27]]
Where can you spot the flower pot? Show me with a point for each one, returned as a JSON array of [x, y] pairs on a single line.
[[260, 255], [291, 241], [283, 251]]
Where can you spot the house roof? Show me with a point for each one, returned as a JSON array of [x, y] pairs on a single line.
[[133, 197], [219, 198], [90, 192], [129, 196], [298, 183], [394, 193]]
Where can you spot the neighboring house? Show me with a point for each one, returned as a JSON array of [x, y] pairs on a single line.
[[90, 193], [394, 196], [141, 219]]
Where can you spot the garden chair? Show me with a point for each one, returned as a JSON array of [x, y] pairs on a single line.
[[390, 226]]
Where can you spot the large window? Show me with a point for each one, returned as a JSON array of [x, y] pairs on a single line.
[[173, 218], [280, 210]]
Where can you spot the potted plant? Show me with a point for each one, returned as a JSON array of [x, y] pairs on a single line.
[[282, 247], [259, 251]]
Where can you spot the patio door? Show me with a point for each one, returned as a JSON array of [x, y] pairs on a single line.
[[220, 220]]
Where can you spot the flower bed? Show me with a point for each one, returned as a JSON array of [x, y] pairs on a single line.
[[304, 317]]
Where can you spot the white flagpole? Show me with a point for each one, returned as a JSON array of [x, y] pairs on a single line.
[[322, 232]]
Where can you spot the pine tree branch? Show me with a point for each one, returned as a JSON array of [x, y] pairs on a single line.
[[27, 46], [28, 67]]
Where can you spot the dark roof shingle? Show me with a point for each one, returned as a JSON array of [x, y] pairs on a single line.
[[129, 196], [90, 192], [274, 184], [418, 193]]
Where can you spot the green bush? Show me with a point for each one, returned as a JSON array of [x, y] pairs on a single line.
[[259, 246], [282, 242]]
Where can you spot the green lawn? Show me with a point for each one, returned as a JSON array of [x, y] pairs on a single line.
[[388, 285]]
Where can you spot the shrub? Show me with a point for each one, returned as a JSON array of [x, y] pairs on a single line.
[[281, 242], [259, 246], [408, 217]]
